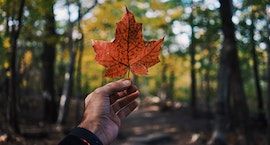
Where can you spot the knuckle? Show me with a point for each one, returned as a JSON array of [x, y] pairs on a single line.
[[135, 87], [110, 85]]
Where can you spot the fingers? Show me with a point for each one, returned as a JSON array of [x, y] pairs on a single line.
[[121, 94], [121, 103], [113, 87], [123, 113]]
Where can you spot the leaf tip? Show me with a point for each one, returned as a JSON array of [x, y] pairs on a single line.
[[93, 42], [163, 38]]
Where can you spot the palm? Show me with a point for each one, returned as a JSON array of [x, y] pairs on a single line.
[[106, 106]]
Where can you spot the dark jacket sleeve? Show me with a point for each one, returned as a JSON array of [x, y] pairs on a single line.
[[80, 136], [72, 140]]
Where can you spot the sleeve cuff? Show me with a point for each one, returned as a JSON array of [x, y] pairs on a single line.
[[86, 135]]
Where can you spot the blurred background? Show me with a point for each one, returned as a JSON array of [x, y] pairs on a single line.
[[212, 85]]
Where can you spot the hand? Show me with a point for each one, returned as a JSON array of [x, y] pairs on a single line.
[[107, 106]]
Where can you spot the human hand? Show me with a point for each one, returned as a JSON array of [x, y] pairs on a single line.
[[107, 106]]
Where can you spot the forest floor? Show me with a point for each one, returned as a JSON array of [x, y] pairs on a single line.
[[149, 125], [146, 126]]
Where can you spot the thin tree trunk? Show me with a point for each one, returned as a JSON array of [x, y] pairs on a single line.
[[7, 29], [207, 88], [193, 94], [207, 84], [7, 79], [13, 100], [162, 92], [79, 65], [268, 81], [68, 82], [171, 85], [48, 60], [78, 81], [66, 94], [229, 81], [163, 87], [260, 106]]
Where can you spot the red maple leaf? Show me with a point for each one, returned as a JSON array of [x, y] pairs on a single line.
[[128, 51]]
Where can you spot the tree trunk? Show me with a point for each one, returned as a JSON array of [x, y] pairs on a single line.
[[229, 81], [67, 88], [207, 87], [48, 60], [78, 81], [162, 92], [260, 106], [208, 64], [193, 94], [7, 79], [68, 82], [13, 100], [171, 84], [79, 66], [268, 82]]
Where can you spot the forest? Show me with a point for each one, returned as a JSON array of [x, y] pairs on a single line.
[[211, 86]]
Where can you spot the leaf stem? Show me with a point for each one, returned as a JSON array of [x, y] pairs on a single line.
[[128, 73]]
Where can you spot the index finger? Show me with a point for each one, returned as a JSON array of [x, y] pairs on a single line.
[[131, 89]]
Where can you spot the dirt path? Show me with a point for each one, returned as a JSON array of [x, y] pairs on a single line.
[[174, 127]]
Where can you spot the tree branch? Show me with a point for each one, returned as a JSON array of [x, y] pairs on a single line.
[[81, 15]]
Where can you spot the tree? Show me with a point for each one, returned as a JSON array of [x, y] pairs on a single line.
[[229, 80], [79, 62], [163, 91], [260, 105], [16, 20], [48, 60], [193, 94], [268, 80], [68, 82]]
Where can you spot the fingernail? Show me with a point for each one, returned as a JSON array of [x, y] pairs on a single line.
[[126, 82]]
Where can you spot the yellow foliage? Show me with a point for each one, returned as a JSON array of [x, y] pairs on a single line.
[[65, 55], [6, 44], [8, 73], [27, 58], [155, 5], [6, 65], [175, 13]]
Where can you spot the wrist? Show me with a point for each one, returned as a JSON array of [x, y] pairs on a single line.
[[86, 136], [93, 127]]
